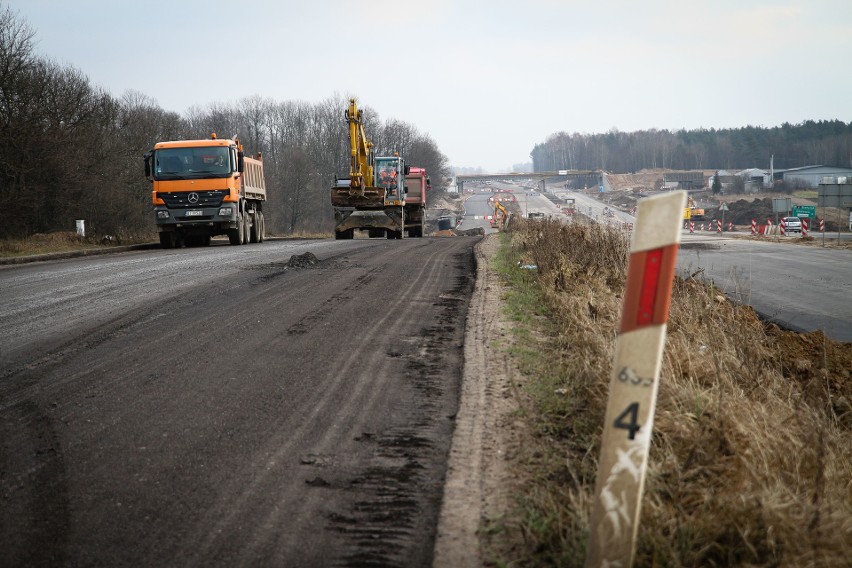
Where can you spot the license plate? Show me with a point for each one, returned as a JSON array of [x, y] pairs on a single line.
[[194, 213]]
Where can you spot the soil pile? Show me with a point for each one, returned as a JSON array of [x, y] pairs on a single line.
[[302, 260]]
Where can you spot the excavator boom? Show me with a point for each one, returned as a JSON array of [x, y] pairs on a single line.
[[359, 189], [360, 167]]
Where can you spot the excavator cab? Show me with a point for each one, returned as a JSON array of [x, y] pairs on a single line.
[[389, 174]]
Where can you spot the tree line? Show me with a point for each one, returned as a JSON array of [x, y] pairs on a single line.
[[70, 150], [792, 145]]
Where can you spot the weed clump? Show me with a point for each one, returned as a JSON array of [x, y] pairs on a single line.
[[750, 459]]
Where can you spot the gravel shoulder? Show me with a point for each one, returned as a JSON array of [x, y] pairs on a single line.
[[478, 481]]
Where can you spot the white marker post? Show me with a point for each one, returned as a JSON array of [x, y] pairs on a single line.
[[633, 382]]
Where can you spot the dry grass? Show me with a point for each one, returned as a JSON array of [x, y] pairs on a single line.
[[750, 462], [43, 243]]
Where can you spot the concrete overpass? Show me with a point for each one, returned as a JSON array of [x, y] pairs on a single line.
[[584, 177]]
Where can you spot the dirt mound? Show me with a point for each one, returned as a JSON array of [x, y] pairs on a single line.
[[475, 232], [643, 180], [445, 203], [742, 211], [302, 260], [822, 367], [458, 233]]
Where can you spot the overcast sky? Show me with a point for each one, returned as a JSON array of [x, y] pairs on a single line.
[[486, 79]]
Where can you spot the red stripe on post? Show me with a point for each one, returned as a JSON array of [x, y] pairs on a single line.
[[648, 291]]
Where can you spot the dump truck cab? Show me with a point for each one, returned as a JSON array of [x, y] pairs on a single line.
[[204, 188]]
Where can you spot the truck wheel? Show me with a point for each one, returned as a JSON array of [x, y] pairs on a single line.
[[167, 240], [246, 228], [254, 234], [262, 231], [235, 236]]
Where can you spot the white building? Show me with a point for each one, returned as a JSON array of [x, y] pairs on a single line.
[[810, 175], [763, 177]]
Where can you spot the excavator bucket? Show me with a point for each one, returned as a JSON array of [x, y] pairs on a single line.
[[362, 198]]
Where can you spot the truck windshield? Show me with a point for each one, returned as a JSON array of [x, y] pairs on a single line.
[[184, 163]]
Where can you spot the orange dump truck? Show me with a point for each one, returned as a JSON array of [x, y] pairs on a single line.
[[204, 188]]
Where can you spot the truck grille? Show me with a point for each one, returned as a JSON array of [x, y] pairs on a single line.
[[180, 200]]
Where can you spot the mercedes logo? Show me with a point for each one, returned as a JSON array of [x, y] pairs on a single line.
[[192, 198]]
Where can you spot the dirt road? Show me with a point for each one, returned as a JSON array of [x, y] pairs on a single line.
[[225, 406]]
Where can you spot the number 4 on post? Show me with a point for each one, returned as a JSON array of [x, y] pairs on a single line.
[[627, 420]]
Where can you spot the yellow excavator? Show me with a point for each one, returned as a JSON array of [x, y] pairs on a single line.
[[372, 198], [501, 215], [691, 211]]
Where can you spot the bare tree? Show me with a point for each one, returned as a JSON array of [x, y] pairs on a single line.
[[76, 151], [253, 131]]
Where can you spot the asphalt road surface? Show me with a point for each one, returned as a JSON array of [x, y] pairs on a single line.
[[476, 207], [803, 288], [224, 406]]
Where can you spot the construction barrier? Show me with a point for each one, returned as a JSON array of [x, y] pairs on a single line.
[[718, 226], [822, 225], [783, 227], [692, 226], [804, 227], [730, 227], [754, 226]]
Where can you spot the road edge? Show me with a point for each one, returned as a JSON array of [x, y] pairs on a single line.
[[477, 478]]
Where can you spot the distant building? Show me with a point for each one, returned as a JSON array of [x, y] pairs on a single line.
[[757, 175], [809, 176], [755, 180], [684, 180]]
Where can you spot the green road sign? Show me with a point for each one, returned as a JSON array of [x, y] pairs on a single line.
[[804, 211]]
